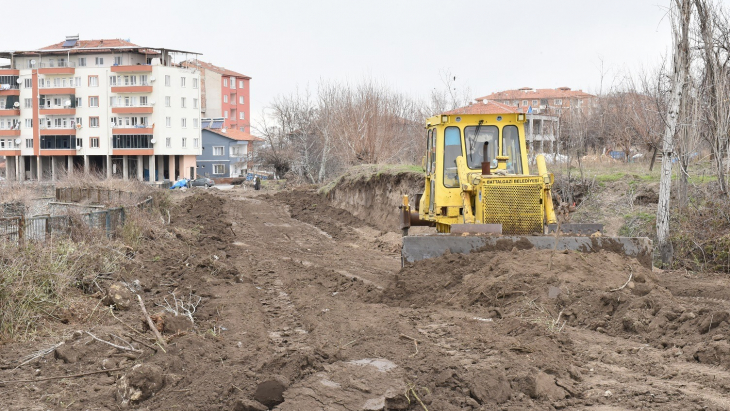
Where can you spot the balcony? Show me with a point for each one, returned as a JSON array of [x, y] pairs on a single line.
[[10, 132], [130, 130], [58, 111], [9, 152], [58, 131], [132, 69], [132, 89], [59, 67], [132, 110], [9, 72], [9, 90], [57, 90], [9, 112]]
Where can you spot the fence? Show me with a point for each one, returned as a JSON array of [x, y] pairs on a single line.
[[94, 195], [42, 228]]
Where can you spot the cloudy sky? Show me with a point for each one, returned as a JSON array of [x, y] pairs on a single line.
[[488, 45]]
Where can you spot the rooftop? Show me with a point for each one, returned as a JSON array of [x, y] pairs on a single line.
[[234, 134], [212, 67], [73, 45], [530, 93], [489, 107]]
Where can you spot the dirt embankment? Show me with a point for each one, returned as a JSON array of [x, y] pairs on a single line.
[[373, 195]]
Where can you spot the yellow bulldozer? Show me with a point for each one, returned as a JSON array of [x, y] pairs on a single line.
[[480, 192]]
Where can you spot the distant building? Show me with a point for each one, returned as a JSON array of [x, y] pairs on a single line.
[[226, 152], [225, 94], [544, 109], [110, 106]]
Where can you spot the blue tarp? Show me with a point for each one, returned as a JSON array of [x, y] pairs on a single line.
[[183, 182]]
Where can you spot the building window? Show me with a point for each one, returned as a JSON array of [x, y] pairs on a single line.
[[218, 150], [240, 83], [240, 100], [534, 103], [524, 103], [167, 101], [28, 83], [78, 101], [167, 81], [28, 102], [94, 122], [168, 121], [100, 61], [196, 142], [233, 83], [77, 81], [558, 102], [219, 168], [184, 142], [225, 98], [195, 83], [143, 101], [94, 142], [79, 142], [182, 81], [168, 142], [225, 82], [78, 121], [183, 122], [225, 114], [195, 103], [241, 115], [28, 143], [93, 81], [195, 122], [82, 62], [117, 60], [182, 102], [28, 123], [94, 101], [242, 129]]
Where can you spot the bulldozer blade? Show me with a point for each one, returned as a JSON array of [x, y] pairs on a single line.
[[417, 248]]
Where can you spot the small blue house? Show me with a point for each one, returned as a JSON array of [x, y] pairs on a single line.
[[226, 152]]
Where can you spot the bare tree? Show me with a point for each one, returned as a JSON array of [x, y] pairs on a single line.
[[680, 18]]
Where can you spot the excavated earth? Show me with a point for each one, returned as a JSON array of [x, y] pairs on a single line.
[[300, 305]]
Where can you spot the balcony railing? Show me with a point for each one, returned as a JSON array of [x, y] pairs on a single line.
[[130, 126], [57, 64], [9, 86]]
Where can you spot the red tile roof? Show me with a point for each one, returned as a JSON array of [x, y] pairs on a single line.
[[527, 93], [212, 67], [490, 107], [85, 44], [234, 134]]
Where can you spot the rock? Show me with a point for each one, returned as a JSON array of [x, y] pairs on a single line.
[[718, 337], [141, 383], [574, 373], [540, 386], [687, 315], [174, 324], [713, 320], [248, 405], [270, 392], [119, 296], [489, 386], [374, 404], [396, 400], [67, 354]]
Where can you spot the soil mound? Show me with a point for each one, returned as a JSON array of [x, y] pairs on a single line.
[[307, 206]]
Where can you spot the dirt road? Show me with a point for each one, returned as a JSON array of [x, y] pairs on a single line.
[[301, 306]]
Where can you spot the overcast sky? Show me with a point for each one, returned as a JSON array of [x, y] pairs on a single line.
[[488, 45]]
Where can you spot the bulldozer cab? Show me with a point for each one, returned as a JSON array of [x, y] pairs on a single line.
[[450, 136]]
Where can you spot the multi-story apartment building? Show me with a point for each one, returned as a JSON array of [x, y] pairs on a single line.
[[225, 94], [106, 106]]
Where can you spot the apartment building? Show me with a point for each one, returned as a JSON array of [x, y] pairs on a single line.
[[225, 94], [106, 106]]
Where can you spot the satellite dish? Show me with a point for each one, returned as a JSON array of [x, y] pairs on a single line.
[[152, 103], [16, 105], [68, 103], [153, 141], [152, 79], [18, 81], [17, 141], [32, 62]]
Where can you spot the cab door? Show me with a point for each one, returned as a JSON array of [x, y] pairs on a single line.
[[431, 169]]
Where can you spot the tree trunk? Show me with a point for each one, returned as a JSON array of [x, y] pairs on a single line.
[[680, 28]]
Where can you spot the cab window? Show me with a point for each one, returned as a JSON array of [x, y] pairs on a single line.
[[452, 149], [428, 150], [432, 150], [475, 145], [511, 149]]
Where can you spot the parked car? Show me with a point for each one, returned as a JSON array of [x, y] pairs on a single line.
[[202, 182]]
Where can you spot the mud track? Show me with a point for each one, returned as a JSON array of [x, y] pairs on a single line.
[[305, 307]]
